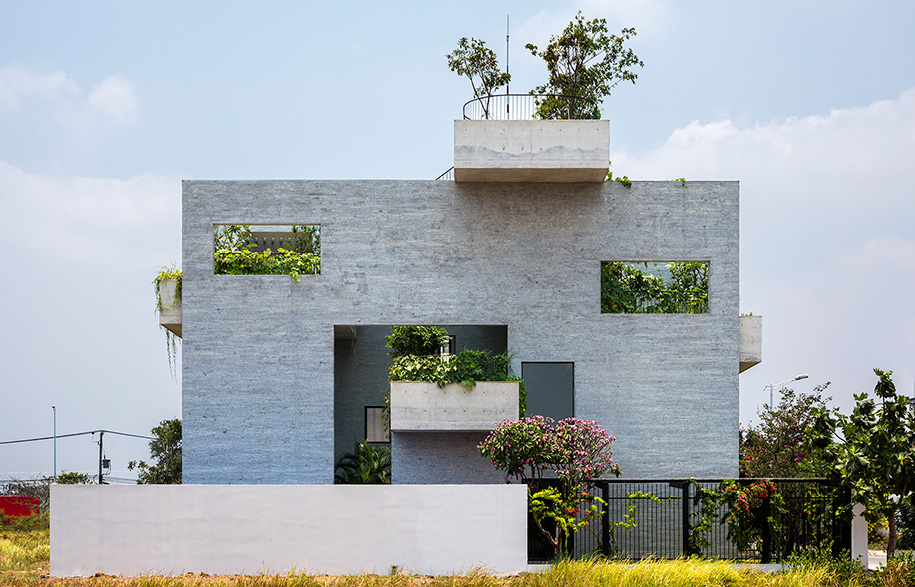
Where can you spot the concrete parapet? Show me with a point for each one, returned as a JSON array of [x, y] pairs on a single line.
[[424, 407], [556, 151]]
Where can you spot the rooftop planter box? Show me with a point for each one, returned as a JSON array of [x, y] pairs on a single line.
[[750, 341], [170, 307], [555, 151], [418, 406]]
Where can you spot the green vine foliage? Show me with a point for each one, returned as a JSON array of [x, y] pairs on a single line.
[[705, 510], [168, 274], [235, 255], [466, 367], [623, 179], [629, 520], [627, 289], [421, 341], [171, 340], [417, 353]]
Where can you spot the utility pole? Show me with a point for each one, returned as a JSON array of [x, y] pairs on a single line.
[[54, 408], [101, 433]]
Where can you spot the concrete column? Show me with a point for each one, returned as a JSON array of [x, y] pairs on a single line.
[[859, 535]]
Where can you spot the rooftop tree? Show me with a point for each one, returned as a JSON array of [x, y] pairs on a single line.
[[584, 64], [479, 64]]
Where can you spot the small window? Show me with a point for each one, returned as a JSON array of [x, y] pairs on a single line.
[[375, 429], [244, 249], [654, 287], [550, 388]]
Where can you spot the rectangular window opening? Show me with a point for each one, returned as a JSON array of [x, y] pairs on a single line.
[[654, 287], [288, 249], [375, 429]]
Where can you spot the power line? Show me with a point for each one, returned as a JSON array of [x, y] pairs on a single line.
[[77, 434]]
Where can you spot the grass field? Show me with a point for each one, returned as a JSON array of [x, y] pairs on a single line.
[[25, 552]]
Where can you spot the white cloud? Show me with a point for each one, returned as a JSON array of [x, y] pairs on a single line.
[[115, 98], [111, 105], [18, 84], [42, 101], [92, 221]]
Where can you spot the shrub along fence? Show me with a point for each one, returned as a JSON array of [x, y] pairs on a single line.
[[743, 519]]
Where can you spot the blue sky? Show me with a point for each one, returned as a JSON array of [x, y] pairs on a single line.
[[106, 106]]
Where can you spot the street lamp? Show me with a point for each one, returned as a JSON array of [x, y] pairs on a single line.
[[53, 407], [772, 386]]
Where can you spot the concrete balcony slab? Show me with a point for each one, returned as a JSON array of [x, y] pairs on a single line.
[[750, 341]]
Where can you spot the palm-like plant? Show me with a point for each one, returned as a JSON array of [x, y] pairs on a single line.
[[366, 465]]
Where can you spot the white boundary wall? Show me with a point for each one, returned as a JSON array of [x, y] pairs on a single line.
[[249, 529]]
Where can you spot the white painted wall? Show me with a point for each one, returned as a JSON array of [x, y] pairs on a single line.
[[249, 529]]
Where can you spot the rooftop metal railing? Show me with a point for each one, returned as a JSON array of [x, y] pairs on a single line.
[[530, 106]]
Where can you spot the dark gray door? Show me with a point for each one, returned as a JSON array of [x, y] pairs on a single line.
[[550, 388]]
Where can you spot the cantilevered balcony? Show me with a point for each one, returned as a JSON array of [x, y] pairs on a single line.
[[750, 341], [530, 138]]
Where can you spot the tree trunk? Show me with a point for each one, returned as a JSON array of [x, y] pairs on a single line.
[[891, 539]]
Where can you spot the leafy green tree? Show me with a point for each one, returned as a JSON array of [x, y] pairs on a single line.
[[872, 451], [232, 237], [73, 478], [306, 239], [584, 63], [479, 64], [775, 447], [689, 287], [366, 465], [165, 449], [422, 341]]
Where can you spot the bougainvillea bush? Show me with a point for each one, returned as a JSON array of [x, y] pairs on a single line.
[[572, 450], [746, 517]]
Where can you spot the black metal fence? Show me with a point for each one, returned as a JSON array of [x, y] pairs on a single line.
[[670, 518]]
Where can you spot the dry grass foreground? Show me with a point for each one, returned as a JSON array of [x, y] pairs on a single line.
[[676, 573], [25, 553]]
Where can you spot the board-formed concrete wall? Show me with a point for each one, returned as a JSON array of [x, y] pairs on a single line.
[[336, 529], [258, 353]]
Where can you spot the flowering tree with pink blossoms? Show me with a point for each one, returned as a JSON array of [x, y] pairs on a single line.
[[572, 450]]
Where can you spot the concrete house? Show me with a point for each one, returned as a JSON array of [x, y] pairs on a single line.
[[281, 376]]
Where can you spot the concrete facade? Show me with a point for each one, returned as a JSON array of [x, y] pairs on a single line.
[[261, 364]]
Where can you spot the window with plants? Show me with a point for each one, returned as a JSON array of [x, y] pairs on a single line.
[[242, 249], [654, 287]]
